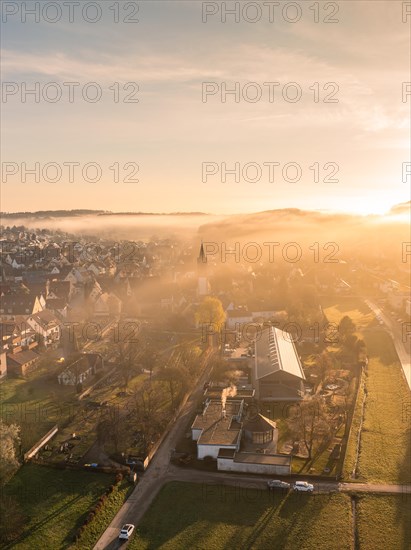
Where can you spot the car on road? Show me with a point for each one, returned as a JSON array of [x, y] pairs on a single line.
[[303, 486], [126, 531], [277, 484]]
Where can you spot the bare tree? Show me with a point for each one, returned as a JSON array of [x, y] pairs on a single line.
[[149, 415], [128, 354], [325, 363], [176, 379], [112, 428], [309, 423]]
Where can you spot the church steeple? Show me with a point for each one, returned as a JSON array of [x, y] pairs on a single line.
[[202, 258], [203, 286]]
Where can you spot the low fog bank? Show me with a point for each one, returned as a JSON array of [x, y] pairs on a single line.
[[133, 227], [375, 235]]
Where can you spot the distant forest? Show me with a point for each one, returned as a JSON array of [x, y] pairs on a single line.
[[68, 213]]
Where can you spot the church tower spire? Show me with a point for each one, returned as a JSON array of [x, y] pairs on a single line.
[[202, 285], [202, 258]]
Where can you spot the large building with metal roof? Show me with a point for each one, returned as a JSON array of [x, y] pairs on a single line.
[[277, 373]]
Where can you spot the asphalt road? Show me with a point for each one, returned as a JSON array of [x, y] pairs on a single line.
[[156, 475], [402, 341]]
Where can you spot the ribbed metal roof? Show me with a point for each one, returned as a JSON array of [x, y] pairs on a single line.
[[276, 351]]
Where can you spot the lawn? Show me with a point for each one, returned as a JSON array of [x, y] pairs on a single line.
[[216, 517], [54, 503], [354, 308], [385, 439], [385, 452], [36, 403], [383, 522]]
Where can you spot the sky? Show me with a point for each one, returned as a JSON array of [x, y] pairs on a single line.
[[333, 135]]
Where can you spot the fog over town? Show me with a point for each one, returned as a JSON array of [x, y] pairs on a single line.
[[205, 290]]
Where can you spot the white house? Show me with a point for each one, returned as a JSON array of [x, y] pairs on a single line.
[[76, 373], [238, 317], [47, 325], [218, 427]]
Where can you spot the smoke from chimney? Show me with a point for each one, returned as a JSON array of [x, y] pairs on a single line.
[[231, 391]]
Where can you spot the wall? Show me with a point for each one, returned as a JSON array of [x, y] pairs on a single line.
[[211, 450], [232, 322], [40, 443], [228, 465], [3, 364], [195, 433]]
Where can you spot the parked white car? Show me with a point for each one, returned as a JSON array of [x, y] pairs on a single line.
[[126, 531], [303, 486]]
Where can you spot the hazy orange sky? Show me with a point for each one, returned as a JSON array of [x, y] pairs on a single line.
[[169, 53]]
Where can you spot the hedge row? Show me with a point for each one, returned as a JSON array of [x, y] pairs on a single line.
[[98, 506]]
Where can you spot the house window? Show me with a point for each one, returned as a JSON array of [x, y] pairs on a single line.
[[262, 437]]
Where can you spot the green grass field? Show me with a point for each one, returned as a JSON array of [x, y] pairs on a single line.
[[355, 308], [36, 403], [54, 503], [385, 440], [218, 517], [383, 522], [385, 452], [96, 528]]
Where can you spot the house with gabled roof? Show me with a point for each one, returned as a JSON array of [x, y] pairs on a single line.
[[47, 325], [84, 367], [22, 362], [107, 304], [20, 302]]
